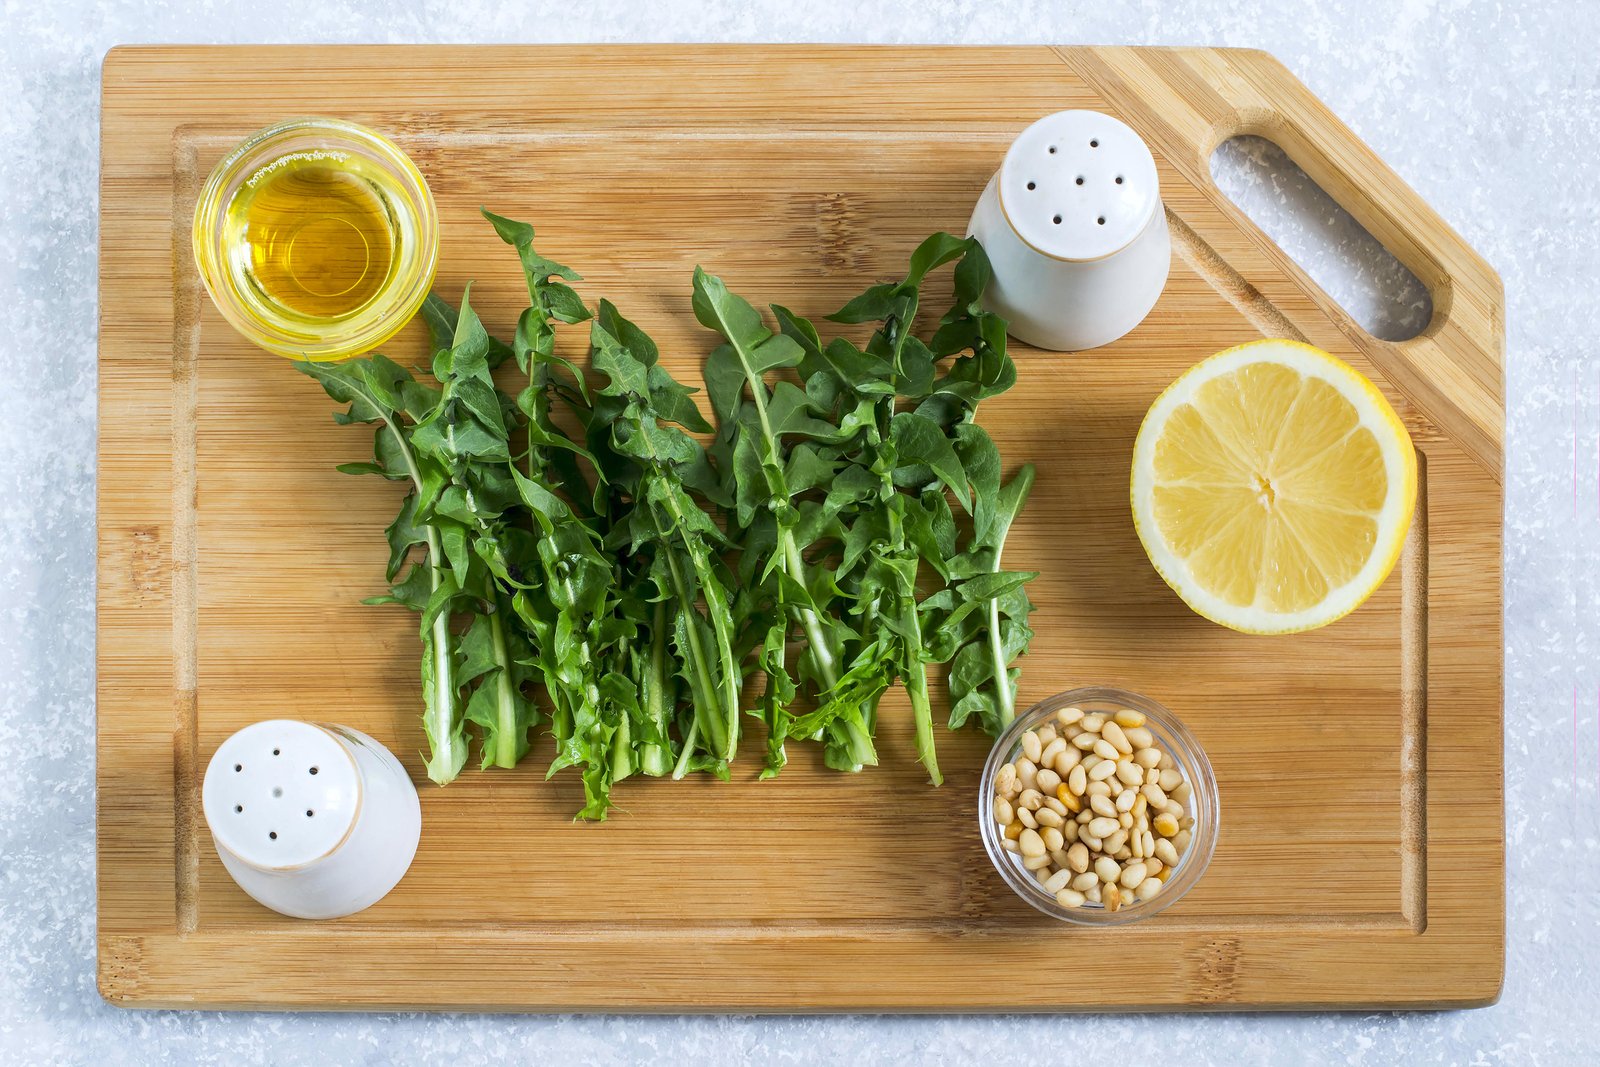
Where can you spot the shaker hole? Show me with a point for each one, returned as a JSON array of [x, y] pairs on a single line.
[[1052, 150], [309, 813], [273, 835], [1101, 220], [1119, 179], [1080, 179], [277, 790], [237, 808], [276, 752], [1056, 220], [1094, 144], [313, 770], [1030, 186], [238, 767]]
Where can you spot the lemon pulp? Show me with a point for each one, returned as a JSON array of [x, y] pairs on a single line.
[[1272, 487]]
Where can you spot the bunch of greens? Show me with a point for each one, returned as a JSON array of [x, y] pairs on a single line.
[[559, 537]]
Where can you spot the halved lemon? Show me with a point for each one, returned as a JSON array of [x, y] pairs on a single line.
[[1272, 487]]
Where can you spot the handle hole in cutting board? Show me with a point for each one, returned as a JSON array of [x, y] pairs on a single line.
[[1350, 264]]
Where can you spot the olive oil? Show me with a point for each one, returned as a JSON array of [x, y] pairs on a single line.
[[315, 236]]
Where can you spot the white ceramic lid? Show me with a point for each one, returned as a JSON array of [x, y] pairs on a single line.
[[280, 794], [1079, 185]]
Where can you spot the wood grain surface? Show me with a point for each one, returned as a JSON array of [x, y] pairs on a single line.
[[1361, 853]]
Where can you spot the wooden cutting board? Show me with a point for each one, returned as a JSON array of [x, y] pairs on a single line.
[[1362, 850]]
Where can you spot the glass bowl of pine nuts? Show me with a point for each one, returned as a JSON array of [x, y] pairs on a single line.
[[1098, 806]]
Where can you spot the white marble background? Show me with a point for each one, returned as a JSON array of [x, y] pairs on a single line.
[[1490, 109]]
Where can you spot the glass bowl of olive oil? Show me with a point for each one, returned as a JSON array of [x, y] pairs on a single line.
[[316, 238]]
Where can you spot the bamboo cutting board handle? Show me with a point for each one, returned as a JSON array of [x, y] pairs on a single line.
[[1194, 99]]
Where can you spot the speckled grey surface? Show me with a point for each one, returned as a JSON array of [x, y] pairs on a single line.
[[1491, 110]]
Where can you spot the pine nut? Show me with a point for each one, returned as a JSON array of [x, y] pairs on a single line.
[[1102, 770], [1068, 716], [1166, 853], [1119, 740], [1104, 827], [1147, 757], [1153, 865], [1112, 897], [1103, 806], [1095, 844], [1057, 882], [1170, 779], [1031, 800], [1002, 811], [1165, 825], [1047, 757], [1047, 817], [1183, 793], [1078, 858], [1030, 842], [1006, 778], [1133, 876], [1149, 840], [1058, 857], [1175, 810], [1047, 734], [1129, 773], [1070, 898], [1085, 741], [1046, 780], [1167, 763], [1069, 732], [1014, 831], [1180, 841], [1054, 804], [1129, 717], [1125, 800], [1034, 863], [1052, 838], [1152, 776], [1009, 845], [1031, 746], [1069, 830], [1067, 759], [1156, 796], [1106, 869], [1093, 893], [1139, 737], [1125, 820], [1068, 801], [1136, 845], [1140, 804], [1093, 723], [1027, 818], [1148, 888], [1117, 841], [1099, 789], [1026, 769], [1083, 880], [1077, 781], [1104, 749]]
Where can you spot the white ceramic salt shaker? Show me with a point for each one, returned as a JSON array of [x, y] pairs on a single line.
[[312, 820], [1075, 231]]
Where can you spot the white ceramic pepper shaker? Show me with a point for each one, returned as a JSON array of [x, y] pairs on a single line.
[[1074, 228], [312, 820]]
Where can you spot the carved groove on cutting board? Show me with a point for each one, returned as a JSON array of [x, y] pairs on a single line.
[[1232, 285], [1413, 578], [187, 295]]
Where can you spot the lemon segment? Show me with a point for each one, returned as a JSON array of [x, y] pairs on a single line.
[[1272, 487]]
